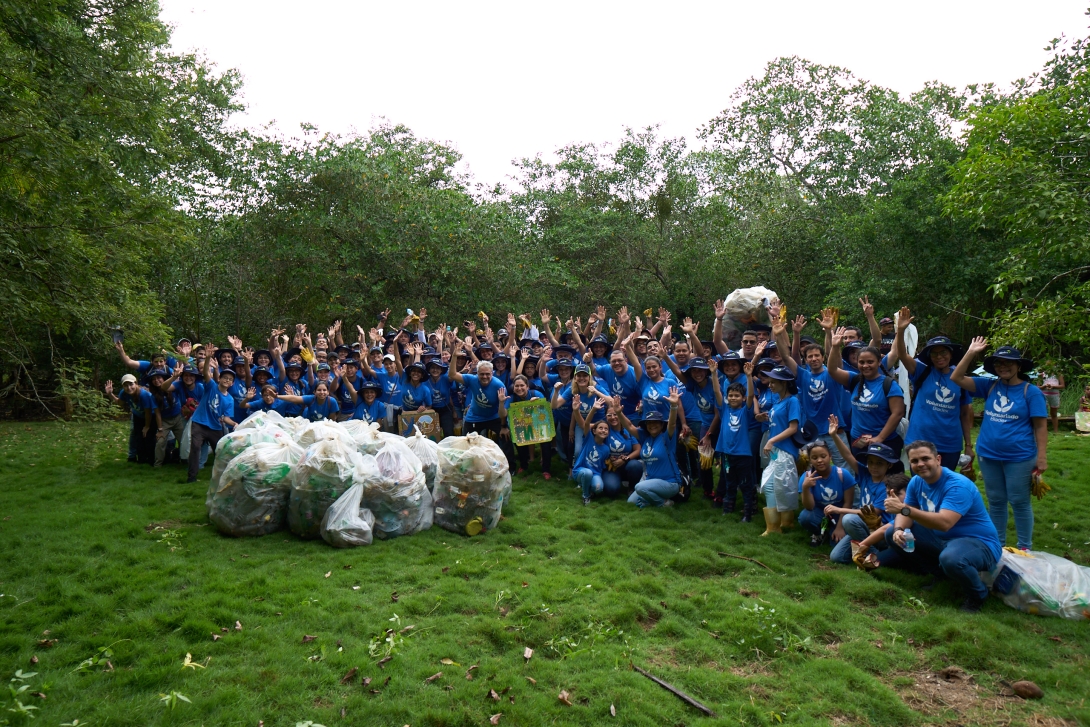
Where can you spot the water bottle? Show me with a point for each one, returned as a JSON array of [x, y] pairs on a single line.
[[963, 461], [910, 542]]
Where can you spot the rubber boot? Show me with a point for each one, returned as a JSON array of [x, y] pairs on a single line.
[[787, 520], [772, 521]]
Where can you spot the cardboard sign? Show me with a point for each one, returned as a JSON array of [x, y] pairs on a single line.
[[427, 420], [531, 422]]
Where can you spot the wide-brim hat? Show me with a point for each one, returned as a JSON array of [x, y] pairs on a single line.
[[729, 357], [1008, 353], [882, 451], [267, 352], [337, 350], [437, 362], [293, 365], [652, 416], [759, 327], [767, 364], [600, 339], [418, 366], [292, 352], [157, 372], [370, 386], [485, 345], [567, 362], [228, 371], [956, 351], [261, 370], [323, 367], [781, 373], [191, 369], [564, 348], [806, 433], [699, 363]]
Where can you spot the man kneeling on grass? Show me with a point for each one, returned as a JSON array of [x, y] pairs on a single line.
[[942, 526]]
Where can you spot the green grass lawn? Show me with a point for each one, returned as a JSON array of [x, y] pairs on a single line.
[[97, 552]]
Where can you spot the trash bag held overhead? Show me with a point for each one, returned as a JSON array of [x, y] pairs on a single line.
[[324, 472], [252, 496], [472, 484], [745, 306], [394, 491]]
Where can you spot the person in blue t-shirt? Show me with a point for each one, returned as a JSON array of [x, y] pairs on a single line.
[[700, 413], [779, 477], [942, 411], [482, 413], [143, 422], [878, 404], [367, 404], [653, 384], [415, 391], [563, 415], [213, 416], [267, 400], [951, 529], [581, 393], [319, 406], [658, 451], [824, 490], [1013, 439], [591, 462], [624, 465], [867, 511], [441, 395], [620, 378], [169, 418], [521, 391], [732, 445]]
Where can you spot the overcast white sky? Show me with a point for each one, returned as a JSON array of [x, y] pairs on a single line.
[[504, 80]]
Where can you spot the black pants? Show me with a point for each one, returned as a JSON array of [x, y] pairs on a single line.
[[737, 474], [198, 435], [446, 421], [523, 455], [143, 445]]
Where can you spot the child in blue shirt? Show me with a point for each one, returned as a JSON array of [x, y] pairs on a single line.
[[736, 470]]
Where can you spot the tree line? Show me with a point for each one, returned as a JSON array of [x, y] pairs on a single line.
[[128, 200]]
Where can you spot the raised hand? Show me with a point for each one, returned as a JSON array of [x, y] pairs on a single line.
[[674, 396], [904, 318], [109, 387], [575, 401], [868, 309], [601, 312], [720, 308], [838, 335], [978, 345], [639, 325], [185, 348], [251, 392], [747, 367], [774, 307], [471, 326], [687, 325], [834, 424], [778, 326], [501, 395], [546, 317], [180, 367], [422, 314], [622, 316], [798, 324], [664, 316], [828, 319], [331, 333], [760, 349], [248, 356], [418, 348]]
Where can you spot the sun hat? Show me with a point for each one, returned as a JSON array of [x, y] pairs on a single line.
[[924, 354], [1008, 353], [881, 451], [807, 433]]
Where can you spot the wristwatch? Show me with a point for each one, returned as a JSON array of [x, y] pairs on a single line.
[[905, 511]]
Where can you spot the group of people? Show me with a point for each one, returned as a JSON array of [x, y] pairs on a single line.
[[807, 432]]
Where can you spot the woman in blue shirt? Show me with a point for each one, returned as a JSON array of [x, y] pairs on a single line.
[[1013, 439], [658, 449], [624, 464], [440, 395], [878, 404], [521, 391], [778, 483], [319, 405], [591, 462], [368, 406], [169, 406], [562, 409], [942, 411]]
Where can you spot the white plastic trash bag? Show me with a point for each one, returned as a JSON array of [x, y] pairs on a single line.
[[365, 435], [746, 306], [234, 443], [395, 492], [325, 471], [346, 524], [183, 446], [252, 496], [472, 484], [1041, 584], [315, 431], [428, 453], [263, 419], [781, 471]]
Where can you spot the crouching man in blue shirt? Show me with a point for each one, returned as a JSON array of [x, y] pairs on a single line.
[[950, 527]]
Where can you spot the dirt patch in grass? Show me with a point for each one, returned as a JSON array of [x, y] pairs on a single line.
[[165, 525], [648, 620], [952, 697]]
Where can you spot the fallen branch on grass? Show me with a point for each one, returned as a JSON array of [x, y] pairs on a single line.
[[676, 692], [742, 557]]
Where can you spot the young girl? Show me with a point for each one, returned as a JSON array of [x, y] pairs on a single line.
[[658, 450], [778, 482], [319, 405], [624, 453], [732, 445], [872, 483], [826, 492], [591, 462], [367, 404]]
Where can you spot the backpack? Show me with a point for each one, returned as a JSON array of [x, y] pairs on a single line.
[[857, 386]]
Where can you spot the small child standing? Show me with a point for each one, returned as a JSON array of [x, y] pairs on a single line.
[[736, 470]]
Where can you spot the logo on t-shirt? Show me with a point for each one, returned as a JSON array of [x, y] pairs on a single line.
[[617, 388], [828, 494], [866, 396], [817, 389], [735, 421], [927, 503], [703, 404], [592, 456], [653, 395], [482, 399], [1002, 404], [943, 395], [648, 449]]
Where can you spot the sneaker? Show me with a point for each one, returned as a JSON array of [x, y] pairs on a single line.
[[668, 503], [815, 541], [972, 604], [520, 472], [717, 500], [586, 501], [746, 518], [546, 476]]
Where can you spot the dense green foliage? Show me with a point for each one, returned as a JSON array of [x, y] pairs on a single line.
[[126, 200], [103, 553]]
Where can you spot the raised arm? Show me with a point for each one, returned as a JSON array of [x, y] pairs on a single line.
[[899, 350], [796, 327], [844, 449], [960, 375], [452, 374], [839, 375], [716, 388], [872, 323], [633, 359], [206, 371], [717, 328], [675, 399], [125, 357], [624, 327], [779, 332], [546, 326]]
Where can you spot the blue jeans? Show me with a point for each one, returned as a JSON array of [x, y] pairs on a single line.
[[960, 559], [810, 520], [652, 492], [590, 481], [630, 473], [562, 448], [854, 529], [1007, 483], [577, 447]]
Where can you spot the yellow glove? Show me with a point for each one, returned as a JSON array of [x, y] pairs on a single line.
[[871, 517], [1038, 487], [307, 355]]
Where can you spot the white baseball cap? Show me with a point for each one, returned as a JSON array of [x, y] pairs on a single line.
[[127, 378]]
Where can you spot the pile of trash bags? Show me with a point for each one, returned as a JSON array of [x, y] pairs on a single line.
[[251, 497], [1041, 584], [349, 483], [472, 484]]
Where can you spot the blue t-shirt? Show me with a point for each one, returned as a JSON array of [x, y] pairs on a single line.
[[440, 392], [766, 400], [870, 405], [734, 430], [830, 490], [620, 442], [292, 388], [592, 456], [846, 399], [142, 367], [483, 402], [689, 406], [705, 403], [1006, 433], [213, 405], [391, 390], [953, 491], [659, 456], [169, 405], [936, 412], [872, 493], [316, 412], [142, 402], [258, 404], [654, 393], [344, 399], [624, 386], [373, 412], [413, 397], [819, 396], [785, 411], [184, 394], [586, 402]]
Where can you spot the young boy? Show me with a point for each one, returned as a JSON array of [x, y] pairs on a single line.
[[736, 470], [863, 557]]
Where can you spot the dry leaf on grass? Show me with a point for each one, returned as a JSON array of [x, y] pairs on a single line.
[[307, 638], [349, 676], [328, 574], [394, 597], [433, 677], [33, 660], [612, 711], [366, 682], [449, 662], [1027, 690], [528, 653], [238, 626], [382, 662], [493, 696], [564, 697], [469, 673], [532, 680], [216, 637], [495, 719]]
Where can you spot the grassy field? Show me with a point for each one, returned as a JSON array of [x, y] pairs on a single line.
[[100, 553]]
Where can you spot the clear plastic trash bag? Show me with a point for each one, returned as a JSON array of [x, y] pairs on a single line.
[[746, 306], [235, 443], [784, 476], [395, 492], [1041, 584], [316, 431], [472, 484], [252, 495], [264, 419], [346, 524], [427, 452], [325, 471], [365, 435]]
